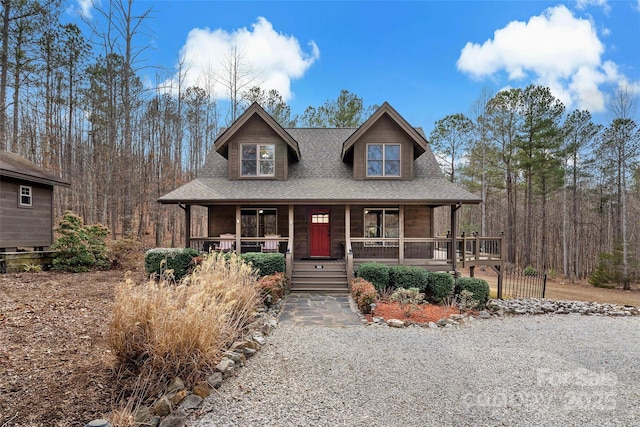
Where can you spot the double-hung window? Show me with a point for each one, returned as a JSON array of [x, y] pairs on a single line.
[[383, 160], [382, 223], [25, 197], [258, 159]]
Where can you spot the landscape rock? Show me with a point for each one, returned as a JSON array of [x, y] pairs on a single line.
[[432, 325], [175, 384], [238, 358], [202, 389], [537, 306], [215, 380], [174, 421], [177, 397], [191, 402], [395, 323], [226, 367], [162, 407]]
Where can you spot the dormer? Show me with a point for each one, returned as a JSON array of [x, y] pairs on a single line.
[[384, 147], [257, 147]]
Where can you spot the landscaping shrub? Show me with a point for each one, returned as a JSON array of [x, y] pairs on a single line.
[[177, 260], [80, 247], [375, 273], [439, 286], [363, 293], [479, 289], [265, 263], [529, 271], [161, 330], [408, 299], [274, 285], [124, 254], [403, 276]]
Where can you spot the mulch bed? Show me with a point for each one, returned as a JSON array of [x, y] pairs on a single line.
[[424, 313]]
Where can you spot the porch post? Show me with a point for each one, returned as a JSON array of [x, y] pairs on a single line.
[[187, 226], [288, 256], [347, 244], [454, 243], [238, 230], [401, 236]]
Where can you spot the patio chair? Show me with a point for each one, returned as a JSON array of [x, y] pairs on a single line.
[[226, 245], [271, 244]]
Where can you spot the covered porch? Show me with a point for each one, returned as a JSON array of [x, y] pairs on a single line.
[[349, 234]]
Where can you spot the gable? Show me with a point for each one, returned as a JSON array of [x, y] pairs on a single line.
[[420, 144]]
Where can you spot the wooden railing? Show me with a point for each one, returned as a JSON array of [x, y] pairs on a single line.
[[247, 244], [428, 251]]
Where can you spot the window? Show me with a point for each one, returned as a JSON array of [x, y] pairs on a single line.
[[258, 222], [383, 159], [25, 196], [258, 159], [320, 218], [382, 223]]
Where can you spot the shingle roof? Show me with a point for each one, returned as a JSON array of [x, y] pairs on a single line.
[[15, 166], [321, 175]]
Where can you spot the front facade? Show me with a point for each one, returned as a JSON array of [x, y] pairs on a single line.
[[329, 199], [26, 204]]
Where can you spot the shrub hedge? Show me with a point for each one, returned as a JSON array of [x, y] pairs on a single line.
[[177, 259], [265, 263], [406, 277], [478, 287], [439, 286], [375, 273]]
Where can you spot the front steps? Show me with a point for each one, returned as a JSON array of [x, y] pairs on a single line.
[[325, 276]]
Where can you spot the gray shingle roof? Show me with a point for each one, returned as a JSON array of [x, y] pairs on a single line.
[[320, 175], [15, 166]]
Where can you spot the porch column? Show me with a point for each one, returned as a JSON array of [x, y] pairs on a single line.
[[288, 256], [238, 230], [187, 225], [401, 236], [347, 244], [454, 243]]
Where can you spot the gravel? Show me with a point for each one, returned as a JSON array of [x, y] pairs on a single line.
[[546, 370]]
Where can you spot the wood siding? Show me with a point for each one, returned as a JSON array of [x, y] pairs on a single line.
[[417, 220], [25, 226], [257, 131], [222, 219], [385, 130], [302, 215]]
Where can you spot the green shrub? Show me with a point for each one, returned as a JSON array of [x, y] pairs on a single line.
[[479, 289], [530, 271], [439, 286], [80, 247], [408, 299], [406, 277], [265, 263], [176, 259], [363, 293], [375, 273]]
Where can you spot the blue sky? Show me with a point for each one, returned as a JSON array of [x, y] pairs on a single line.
[[426, 58]]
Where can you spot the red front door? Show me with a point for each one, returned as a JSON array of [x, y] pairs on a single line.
[[320, 241]]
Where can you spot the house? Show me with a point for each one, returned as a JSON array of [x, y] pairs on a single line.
[[26, 209], [331, 197]]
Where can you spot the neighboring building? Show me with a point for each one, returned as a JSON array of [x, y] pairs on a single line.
[[332, 197], [26, 204]]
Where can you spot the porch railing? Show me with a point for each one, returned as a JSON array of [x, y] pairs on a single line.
[[428, 251], [247, 244]]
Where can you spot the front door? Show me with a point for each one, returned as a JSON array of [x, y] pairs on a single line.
[[320, 241]]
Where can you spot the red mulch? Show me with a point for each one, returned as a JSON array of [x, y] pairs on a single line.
[[424, 313]]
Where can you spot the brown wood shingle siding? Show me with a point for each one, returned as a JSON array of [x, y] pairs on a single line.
[[25, 226], [385, 130], [257, 131]]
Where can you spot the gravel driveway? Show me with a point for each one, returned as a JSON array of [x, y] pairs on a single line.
[[516, 371]]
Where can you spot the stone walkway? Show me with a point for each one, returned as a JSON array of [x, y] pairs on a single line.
[[302, 309]]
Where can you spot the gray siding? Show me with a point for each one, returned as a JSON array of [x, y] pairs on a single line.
[[25, 226]]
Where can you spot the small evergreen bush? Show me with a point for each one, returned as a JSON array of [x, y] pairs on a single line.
[[479, 288], [375, 273], [363, 293], [177, 259], [265, 263], [406, 277], [530, 271], [80, 247], [439, 286]]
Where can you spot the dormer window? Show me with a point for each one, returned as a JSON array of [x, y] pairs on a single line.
[[383, 160], [258, 159]]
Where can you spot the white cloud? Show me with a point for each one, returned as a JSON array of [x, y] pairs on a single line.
[[266, 58], [555, 49], [84, 8], [583, 4]]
